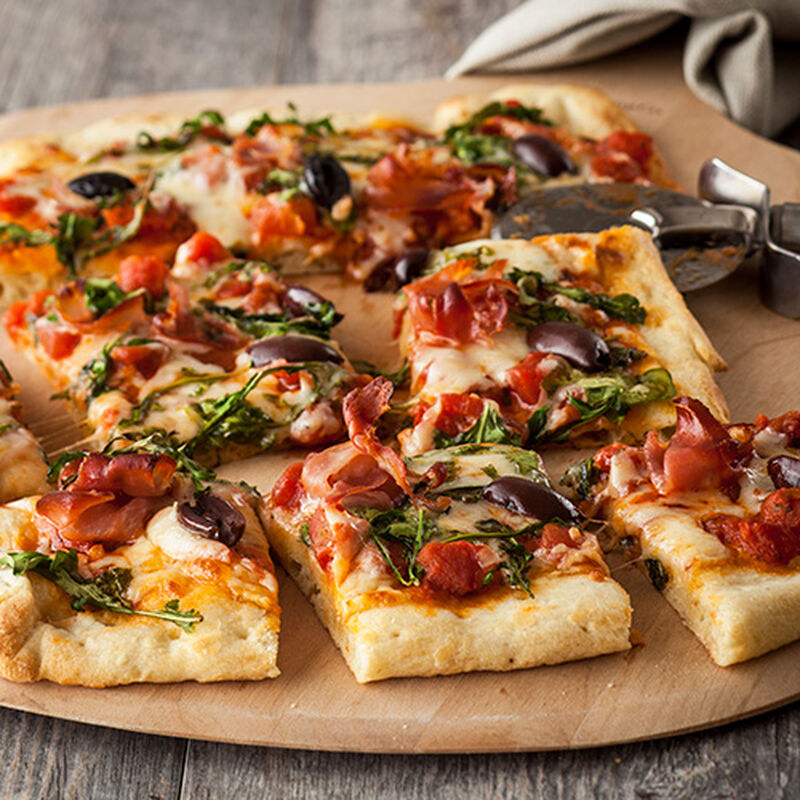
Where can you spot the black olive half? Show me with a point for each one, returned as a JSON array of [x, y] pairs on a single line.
[[213, 518], [294, 349], [327, 180], [394, 273], [543, 156], [530, 499], [583, 348], [785, 472], [298, 298], [100, 184]]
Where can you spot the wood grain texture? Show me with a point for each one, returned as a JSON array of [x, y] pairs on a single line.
[[64, 50]]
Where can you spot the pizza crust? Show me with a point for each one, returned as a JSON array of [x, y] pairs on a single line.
[[381, 635], [43, 638], [737, 611]]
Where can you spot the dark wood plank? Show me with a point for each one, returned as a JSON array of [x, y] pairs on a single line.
[[50, 758], [754, 759]]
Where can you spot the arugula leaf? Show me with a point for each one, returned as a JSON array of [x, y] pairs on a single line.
[[621, 306], [489, 428], [319, 127], [659, 577], [12, 233], [398, 377], [581, 477], [610, 395], [105, 591], [497, 108], [103, 294], [189, 130], [476, 148], [321, 318], [55, 468]]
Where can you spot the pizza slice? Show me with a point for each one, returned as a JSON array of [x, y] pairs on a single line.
[[459, 559], [218, 354], [23, 467], [713, 516], [136, 568], [566, 338], [336, 192]]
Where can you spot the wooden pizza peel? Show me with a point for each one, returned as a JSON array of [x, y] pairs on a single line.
[[669, 685]]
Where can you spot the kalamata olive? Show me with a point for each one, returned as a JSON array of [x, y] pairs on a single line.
[[543, 156], [785, 472], [294, 349], [580, 346], [214, 518], [531, 499], [379, 275], [409, 266], [100, 184], [298, 298], [327, 180]]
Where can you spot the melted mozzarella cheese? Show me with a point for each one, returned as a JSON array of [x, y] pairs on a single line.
[[166, 532], [215, 207], [459, 370]]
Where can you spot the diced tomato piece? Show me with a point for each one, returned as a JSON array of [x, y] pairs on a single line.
[[771, 536], [16, 204], [274, 217], [525, 379], [457, 568], [288, 488], [553, 535], [56, 339], [322, 539], [202, 248], [287, 381], [144, 272]]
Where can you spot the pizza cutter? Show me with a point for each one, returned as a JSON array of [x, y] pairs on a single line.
[[701, 240]]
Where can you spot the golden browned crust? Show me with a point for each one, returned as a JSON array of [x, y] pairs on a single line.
[[571, 616]]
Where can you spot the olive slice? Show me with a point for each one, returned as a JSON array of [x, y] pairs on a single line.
[[583, 348], [294, 349], [409, 266], [298, 298], [100, 184], [785, 472], [530, 499], [327, 180], [543, 156], [213, 518]]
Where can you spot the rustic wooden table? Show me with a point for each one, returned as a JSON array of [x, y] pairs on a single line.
[[56, 51]]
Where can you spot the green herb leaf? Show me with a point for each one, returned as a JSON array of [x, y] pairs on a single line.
[[581, 477], [497, 108], [318, 128], [12, 233], [489, 428], [105, 591], [321, 317], [189, 131], [659, 577], [397, 377]]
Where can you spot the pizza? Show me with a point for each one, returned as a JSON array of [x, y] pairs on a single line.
[[566, 338], [712, 514], [458, 559], [133, 569], [216, 354], [331, 193]]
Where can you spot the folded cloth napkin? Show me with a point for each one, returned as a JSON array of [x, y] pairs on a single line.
[[741, 58]]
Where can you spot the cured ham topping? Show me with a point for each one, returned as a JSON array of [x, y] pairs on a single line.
[[772, 536], [450, 309], [700, 455], [133, 474], [456, 568], [104, 499], [144, 359], [458, 412], [440, 201], [525, 379], [787, 424], [361, 409]]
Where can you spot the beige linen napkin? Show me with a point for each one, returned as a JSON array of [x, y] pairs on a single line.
[[741, 58]]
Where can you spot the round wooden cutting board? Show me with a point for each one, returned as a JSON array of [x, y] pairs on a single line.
[[666, 686]]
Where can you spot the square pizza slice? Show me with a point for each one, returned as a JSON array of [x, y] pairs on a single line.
[[565, 338], [218, 354], [136, 568], [459, 559], [713, 516]]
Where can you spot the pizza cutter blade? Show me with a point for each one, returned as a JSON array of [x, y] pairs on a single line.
[[700, 242]]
